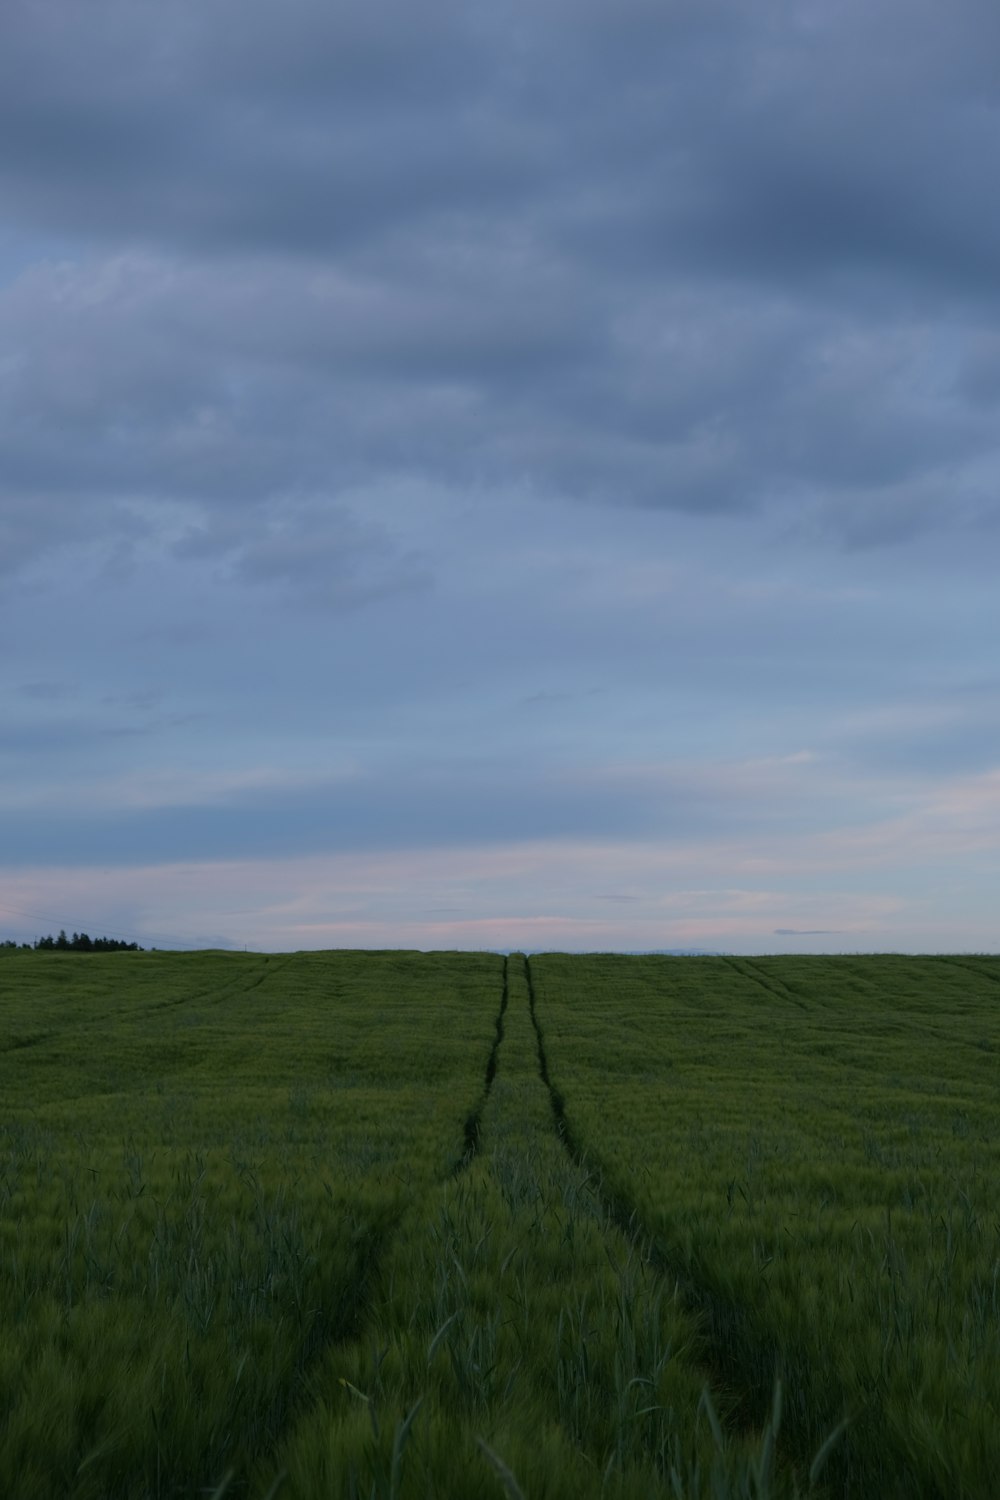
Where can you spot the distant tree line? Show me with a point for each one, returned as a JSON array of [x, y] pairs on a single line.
[[78, 943]]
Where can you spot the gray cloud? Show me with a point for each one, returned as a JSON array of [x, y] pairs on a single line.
[[947, 727], [719, 259], [407, 802], [467, 427], [394, 810], [320, 552]]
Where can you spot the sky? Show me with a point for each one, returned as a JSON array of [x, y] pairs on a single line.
[[511, 475]]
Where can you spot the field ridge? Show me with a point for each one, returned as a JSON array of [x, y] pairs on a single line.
[[472, 1129], [742, 1403]]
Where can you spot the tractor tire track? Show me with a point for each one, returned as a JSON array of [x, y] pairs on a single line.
[[98, 1018], [216, 994], [343, 1323], [19, 1043], [958, 963], [747, 1406], [472, 1130], [739, 1361], [748, 970], [351, 1318]]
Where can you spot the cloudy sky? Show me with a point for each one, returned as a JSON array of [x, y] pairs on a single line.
[[521, 474]]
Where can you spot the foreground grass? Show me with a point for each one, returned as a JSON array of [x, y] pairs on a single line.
[[400, 1225], [202, 1161], [814, 1145]]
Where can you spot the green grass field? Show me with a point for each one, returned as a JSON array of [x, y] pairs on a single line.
[[401, 1224]]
